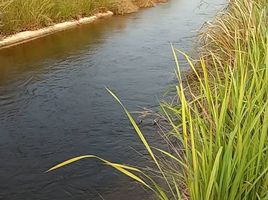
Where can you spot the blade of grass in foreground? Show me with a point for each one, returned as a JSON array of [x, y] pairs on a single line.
[[127, 170], [122, 168]]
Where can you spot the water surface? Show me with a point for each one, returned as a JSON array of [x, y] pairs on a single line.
[[53, 102]]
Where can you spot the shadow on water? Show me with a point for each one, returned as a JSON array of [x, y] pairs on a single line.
[[53, 103]]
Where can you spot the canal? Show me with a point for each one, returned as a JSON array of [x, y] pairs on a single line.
[[53, 102]]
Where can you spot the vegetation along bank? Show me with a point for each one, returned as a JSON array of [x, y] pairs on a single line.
[[22, 15], [220, 118]]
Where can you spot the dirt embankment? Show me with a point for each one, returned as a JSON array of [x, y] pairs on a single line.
[[129, 6]]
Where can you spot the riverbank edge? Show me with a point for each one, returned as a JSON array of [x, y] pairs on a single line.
[[26, 36]]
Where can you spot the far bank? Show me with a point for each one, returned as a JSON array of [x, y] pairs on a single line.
[[23, 21]]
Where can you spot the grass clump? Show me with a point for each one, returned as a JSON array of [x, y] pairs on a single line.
[[221, 125]]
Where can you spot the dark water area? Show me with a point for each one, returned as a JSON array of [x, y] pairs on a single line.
[[53, 102]]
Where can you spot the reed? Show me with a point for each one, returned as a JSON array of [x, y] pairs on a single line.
[[221, 125]]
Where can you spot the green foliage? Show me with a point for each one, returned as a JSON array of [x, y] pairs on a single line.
[[223, 123]]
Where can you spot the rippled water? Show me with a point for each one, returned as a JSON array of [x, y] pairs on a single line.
[[53, 102]]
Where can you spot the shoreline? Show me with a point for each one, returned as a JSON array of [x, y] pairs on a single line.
[[27, 36]]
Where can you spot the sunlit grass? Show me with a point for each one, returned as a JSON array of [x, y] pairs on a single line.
[[221, 123]]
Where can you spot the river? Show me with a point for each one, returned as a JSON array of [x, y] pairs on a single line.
[[53, 102]]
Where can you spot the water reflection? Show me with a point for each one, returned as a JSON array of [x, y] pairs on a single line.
[[38, 54]]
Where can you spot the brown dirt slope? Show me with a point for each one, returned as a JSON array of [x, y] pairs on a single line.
[[129, 6]]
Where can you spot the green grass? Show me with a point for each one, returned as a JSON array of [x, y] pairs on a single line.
[[223, 123], [220, 121], [19, 15]]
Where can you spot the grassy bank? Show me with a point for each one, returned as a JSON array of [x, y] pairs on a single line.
[[21, 15], [220, 120]]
